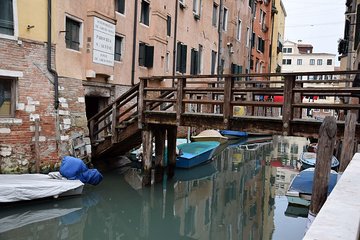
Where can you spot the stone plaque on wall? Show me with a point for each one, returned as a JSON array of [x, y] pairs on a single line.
[[104, 42]]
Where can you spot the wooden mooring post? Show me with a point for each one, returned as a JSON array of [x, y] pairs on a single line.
[[160, 135], [171, 148], [347, 149], [147, 136], [327, 136]]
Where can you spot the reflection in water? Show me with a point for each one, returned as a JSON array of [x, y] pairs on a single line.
[[233, 197]]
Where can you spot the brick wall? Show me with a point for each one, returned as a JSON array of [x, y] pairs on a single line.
[[35, 100]]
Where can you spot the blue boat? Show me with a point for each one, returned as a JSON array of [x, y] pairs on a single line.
[[308, 160], [300, 189], [195, 153], [233, 134]]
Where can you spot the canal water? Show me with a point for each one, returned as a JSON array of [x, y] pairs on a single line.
[[239, 195]]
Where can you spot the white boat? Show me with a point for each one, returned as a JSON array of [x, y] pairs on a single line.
[[308, 159], [22, 187], [209, 135]]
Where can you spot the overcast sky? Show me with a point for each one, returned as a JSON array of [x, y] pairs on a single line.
[[318, 22]]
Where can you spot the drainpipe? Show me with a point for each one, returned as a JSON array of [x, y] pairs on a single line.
[[134, 44], [52, 71], [220, 25], [175, 39]]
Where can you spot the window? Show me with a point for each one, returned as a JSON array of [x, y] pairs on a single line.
[[236, 69], [168, 26], [6, 17], [181, 52], [319, 62], [120, 6], [167, 62], [247, 37], [118, 48], [7, 97], [225, 18], [286, 61], [146, 55], [213, 61], [238, 30], [299, 62], [260, 45], [195, 66], [329, 62], [253, 40], [145, 12], [196, 8], [215, 15], [312, 61], [287, 50], [262, 17], [72, 35]]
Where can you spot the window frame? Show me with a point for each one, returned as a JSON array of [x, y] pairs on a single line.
[[238, 30], [168, 25], [225, 19], [121, 48], [146, 55], [145, 18], [80, 33], [319, 62], [117, 7], [329, 60], [312, 61], [181, 57], [13, 94], [299, 61], [215, 14], [15, 34]]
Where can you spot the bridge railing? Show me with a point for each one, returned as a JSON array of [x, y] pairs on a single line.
[[285, 96]]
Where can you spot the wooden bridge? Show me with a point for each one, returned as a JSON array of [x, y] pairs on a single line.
[[263, 103]]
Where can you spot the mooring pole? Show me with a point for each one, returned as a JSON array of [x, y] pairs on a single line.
[[171, 148], [147, 135], [327, 136], [347, 150], [37, 147]]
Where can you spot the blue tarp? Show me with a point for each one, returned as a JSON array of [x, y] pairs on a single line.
[[74, 168]]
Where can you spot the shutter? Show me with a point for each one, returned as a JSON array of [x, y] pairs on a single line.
[[141, 54], [149, 56], [183, 58], [192, 62], [178, 57]]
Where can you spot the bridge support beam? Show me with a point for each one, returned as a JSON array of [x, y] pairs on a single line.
[[171, 148]]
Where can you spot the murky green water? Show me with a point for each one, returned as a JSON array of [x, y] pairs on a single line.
[[239, 195]]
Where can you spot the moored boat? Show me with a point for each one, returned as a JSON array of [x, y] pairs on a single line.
[[308, 159], [231, 134], [300, 189], [195, 153], [209, 135]]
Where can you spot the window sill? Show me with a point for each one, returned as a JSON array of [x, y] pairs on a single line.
[[120, 14], [73, 50], [143, 24], [9, 37]]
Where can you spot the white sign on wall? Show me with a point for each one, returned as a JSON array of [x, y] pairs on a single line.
[[104, 42]]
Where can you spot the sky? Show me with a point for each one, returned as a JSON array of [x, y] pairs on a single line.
[[318, 22]]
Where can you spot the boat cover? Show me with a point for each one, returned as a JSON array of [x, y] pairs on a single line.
[[74, 168], [19, 187], [303, 182]]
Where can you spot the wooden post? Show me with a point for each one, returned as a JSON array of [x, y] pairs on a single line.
[[287, 104], [141, 103], [91, 130], [228, 111], [160, 134], [347, 150], [37, 147], [297, 99], [114, 136], [180, 106], [324, 155], [147, 155], [171, 148]]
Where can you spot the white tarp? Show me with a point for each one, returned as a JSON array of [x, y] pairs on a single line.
[[19, 187]]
